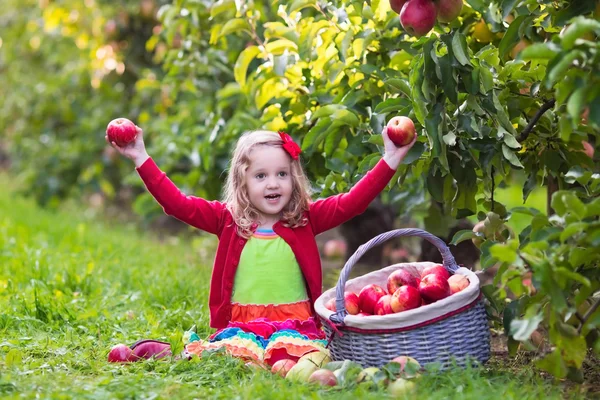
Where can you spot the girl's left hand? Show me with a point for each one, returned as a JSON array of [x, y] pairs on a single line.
[[394, 154]]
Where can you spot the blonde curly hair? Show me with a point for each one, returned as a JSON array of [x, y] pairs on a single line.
[[236, 194]]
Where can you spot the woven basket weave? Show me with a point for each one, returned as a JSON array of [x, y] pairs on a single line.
[[454, 329]]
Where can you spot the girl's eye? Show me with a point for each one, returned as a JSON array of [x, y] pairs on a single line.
[[260, 176], [282, 174]]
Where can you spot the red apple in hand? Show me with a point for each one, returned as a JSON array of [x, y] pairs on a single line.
[[448, 10], [400, 277], [401, 130], [457, 282], [418, 17], [437, 270], [121, 131], [397, 5], [433, 287], [369, 296], [405, 298], [383, 305], [121, 353]]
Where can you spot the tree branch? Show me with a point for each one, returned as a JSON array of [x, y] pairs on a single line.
[[545, 107], [588, 314]]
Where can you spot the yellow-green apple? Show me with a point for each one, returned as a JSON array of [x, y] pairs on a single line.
[[457, 282], [121, 353], [405, 298], [301, 371], [383, 305], [335, 248], [369, 296], [401, 130], [397, 5], [319, 358], [367, 374], [121, 131], [418, 17], [401, 387], [433, 287], [400, 277], [448, 10], [437, 270], [323, 377], [282, 367], [403, 360]]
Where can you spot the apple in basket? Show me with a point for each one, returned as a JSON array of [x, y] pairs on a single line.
[[457, 282], [400, 277], [436, 269], [369, 296], [363, 314], [350, 302], [405, 298], [383, 305], [434, 287]]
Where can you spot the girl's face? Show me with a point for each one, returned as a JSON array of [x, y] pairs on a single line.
[[269, 181]]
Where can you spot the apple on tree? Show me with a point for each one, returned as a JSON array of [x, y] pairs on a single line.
[[121, 131], [448, 10], [397, 5], [418, 17], [401, 130]]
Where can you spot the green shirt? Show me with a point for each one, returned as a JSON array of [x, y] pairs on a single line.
[[268, 272]]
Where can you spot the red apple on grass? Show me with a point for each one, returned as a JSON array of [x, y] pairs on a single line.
[[433, 287], [120, 353], [437, 270], [121, 131], [383, 305], [418, 17], [405, 298], [400, 277], [151, 349], [448, 10], [397, 5], [282, 367], [457, 282], [369, 296], [323, 377], [401, 130]]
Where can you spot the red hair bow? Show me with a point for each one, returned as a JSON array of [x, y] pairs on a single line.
[[289, 145]]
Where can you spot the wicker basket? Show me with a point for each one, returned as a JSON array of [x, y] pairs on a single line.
[[454, 329]]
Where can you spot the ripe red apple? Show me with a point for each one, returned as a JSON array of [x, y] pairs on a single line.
[[418, 17], [120, 353], [401, 130], [433, 287], [121, 131], [400, 277], [383, 305], [448, 10], [405, 298], [335, 248], [369, 296], [151, 349], [457, 282], [437, 270], [363, 314], [351, 302], [397, 5], [282, 367], [323, 377], [330, 305]]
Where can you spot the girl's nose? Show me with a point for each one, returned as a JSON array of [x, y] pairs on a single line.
[[273, 183]]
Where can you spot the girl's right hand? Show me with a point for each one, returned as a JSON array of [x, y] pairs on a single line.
[[135, 150]]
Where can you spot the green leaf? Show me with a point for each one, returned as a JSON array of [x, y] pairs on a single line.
[[558, 71], [391, 105], [326, 111], [14, 358], [344, 117], [416, 81], [503, 253], [511, 156], [576, 102], [399, 84], [521, 329], [233, 26], [571, 230], [511, 37], [462, 236], [279, 46], [243, 61], [460, 48], [222, 6], [554, 364], [578, 29], [539, 51], [298, 5], [573, 275], [564, 202]]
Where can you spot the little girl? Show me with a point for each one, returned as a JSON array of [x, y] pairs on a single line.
[[267, 271]]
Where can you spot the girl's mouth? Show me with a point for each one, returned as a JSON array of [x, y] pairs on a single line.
[[272, 197]]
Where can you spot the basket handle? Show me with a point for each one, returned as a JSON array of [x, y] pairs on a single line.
[[447, 257]]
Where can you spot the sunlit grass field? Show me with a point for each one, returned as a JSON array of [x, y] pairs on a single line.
[[73, 286]]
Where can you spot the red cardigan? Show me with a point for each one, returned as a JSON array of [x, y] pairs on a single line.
[[213, 217]]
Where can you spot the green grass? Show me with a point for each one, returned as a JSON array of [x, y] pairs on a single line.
[[73, 286]]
